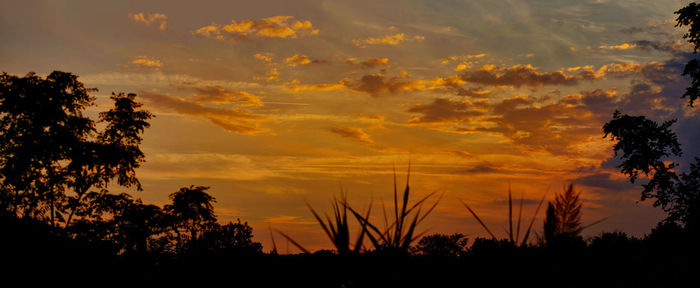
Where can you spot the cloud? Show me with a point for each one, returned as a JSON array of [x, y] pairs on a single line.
[[272, 27], [352, 133], [517, 75], [371, 117], [461, 58], [375, 62], [235, 120], [395, 39], [301, 60], [372, 84], [671, 46], [623, 46], [267, 57], [443, 110], [221, 95], [559, 127], [605, 181], [143, 63], [527, 75], [149, 18]]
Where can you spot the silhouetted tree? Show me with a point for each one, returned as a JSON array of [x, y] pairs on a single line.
[[49, 149], [562, 224], [230, 238], [550, 225], [645, 147], [442, 245], [690, 16], [192, 211]]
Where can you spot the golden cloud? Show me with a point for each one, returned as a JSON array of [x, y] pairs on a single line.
[[623, 46], [571, 121], [297, 60], [395, 39], [221, 95], [352, 133], [149, 18], [272, 27], [235, 120], [375, 62], [143, 63]]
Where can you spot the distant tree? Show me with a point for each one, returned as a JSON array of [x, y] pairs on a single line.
[[563, 218], [232, 237], [690, 16], [192, 210], [644, 148], [442, 245], [550, 225], [52, 156]]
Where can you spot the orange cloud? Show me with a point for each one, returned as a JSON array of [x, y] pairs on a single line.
[[231, 119], [623, 46], [297, 60], [443, 110], [395, 39], [143, 63], [272, 27], [221, 95], [527, 75], [301, 60], [352, 133], [375, 62], [149, 18]]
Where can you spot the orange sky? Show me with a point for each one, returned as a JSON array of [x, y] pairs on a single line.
[[274, 103]]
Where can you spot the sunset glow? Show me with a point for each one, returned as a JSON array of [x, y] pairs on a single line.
[[274, 104]]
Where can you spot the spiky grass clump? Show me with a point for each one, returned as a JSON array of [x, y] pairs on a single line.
[[338, 228], [397, 237], [513, 238]]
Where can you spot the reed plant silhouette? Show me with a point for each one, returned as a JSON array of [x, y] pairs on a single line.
[[513, 238], [563, 220], [338, 228], [397, 236]]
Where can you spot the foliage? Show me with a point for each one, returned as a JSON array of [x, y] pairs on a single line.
[[397, 237], [338, 231], [441, 245], [193, 211], [51, 155], [229, 238], [690, 16], [513, 238], [645, 147]]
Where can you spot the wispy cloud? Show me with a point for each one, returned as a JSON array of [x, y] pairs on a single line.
[[272, 27], [235, 120], [352, 133], [143, 63], [395, 39], [159, 19]]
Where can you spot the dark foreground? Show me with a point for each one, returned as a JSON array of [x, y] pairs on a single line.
[[32, 255]]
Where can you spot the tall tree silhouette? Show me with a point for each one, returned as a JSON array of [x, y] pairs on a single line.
[[690, 16], [192, 210], [52, 156], [646, 147]]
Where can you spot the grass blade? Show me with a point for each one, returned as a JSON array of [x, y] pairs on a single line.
[[529, 228], [478, 219], [293, 242]]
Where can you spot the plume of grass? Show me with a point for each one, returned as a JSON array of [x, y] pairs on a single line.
[[401, 233], [337, 229], [565, 215], [513, 239]]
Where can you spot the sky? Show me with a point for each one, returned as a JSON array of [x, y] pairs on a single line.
[[275, 104]]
